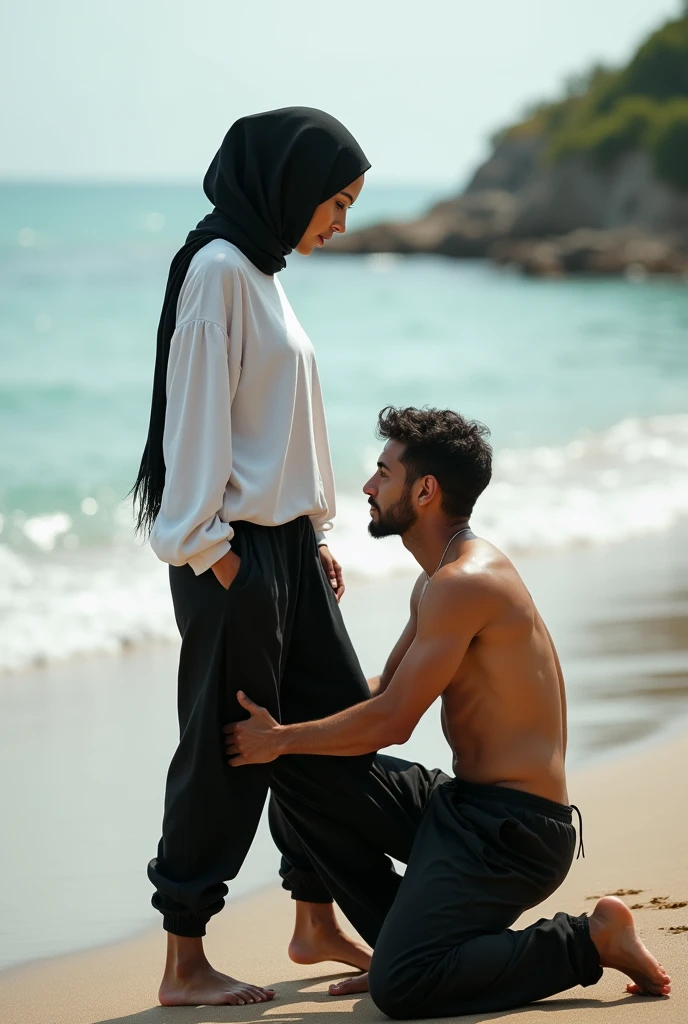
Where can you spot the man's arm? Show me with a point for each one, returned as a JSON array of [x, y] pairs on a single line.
[[452, 612], [379, 684]]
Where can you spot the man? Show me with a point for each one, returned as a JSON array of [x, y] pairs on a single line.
[[496, 839]]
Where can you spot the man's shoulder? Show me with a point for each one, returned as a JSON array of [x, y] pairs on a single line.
[[482, 577], [464, 577]]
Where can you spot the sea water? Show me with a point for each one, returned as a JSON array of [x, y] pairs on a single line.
[[583, 383]]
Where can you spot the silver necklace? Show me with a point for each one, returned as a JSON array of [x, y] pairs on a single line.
[[464, 529]]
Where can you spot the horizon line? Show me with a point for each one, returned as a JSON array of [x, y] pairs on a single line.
[[449, 182]]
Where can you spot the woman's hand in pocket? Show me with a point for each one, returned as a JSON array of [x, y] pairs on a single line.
[[226, 569], [333, 570]]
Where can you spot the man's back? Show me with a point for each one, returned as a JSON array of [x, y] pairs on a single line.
[[504, 713]]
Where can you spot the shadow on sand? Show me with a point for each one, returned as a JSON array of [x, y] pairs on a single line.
[[304, 1002]]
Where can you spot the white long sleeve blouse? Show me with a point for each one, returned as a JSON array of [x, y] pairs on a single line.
[[245, 435]]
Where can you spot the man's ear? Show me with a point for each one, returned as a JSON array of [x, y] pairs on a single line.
[[428, 490]]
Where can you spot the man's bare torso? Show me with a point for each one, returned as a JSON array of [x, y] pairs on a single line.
[[504, 713]]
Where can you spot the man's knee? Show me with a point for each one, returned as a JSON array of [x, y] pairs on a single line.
[[394, 992]]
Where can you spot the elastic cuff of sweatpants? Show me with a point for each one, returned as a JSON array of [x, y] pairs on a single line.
[[306, 887], [310, 896], [189, 926], [586, 959]]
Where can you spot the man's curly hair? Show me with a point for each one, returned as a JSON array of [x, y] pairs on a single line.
[[441, 443]]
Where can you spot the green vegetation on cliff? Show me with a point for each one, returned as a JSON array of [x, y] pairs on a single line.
[[608, 112]]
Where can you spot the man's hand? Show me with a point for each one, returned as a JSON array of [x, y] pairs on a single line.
[[256, 740], [226, 569], [333, 571]]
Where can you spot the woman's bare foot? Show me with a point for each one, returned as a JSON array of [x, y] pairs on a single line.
[[189, 980], [349, 986], [318, 938], [613, 932]]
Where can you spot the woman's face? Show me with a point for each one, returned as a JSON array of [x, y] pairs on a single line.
[[329, 217]]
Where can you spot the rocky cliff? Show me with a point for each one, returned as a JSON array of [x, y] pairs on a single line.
[[596, 182]]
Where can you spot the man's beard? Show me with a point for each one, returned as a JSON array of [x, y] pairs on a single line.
[[398, 518]]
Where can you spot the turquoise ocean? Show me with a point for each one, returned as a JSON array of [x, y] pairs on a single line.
[[584, 384]]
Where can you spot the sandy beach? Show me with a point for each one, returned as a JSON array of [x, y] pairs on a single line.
[[88, 741], [635, 838], [85, 744], [84, 816]]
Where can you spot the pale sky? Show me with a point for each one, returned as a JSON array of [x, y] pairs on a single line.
[[145, 89]]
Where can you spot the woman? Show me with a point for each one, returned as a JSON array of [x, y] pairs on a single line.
[[237, 492]]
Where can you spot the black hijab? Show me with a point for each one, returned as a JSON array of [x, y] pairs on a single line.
[[265, 182]]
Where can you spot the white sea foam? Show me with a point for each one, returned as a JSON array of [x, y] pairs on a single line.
[[80, 602], [598, 489]]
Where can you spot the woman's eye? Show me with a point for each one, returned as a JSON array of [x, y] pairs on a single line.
[[340, 206]]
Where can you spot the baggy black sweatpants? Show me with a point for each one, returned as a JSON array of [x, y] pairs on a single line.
[[478, 856], [277, 634]]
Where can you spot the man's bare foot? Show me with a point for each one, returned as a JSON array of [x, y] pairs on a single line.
[[189, 980], [613, 932], [349, 986], [318, 938]]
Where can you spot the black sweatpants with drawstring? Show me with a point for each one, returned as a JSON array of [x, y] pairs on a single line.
[[277, 634], [478, 857]]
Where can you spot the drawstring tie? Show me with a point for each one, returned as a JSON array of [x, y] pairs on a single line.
[[581, 848]]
